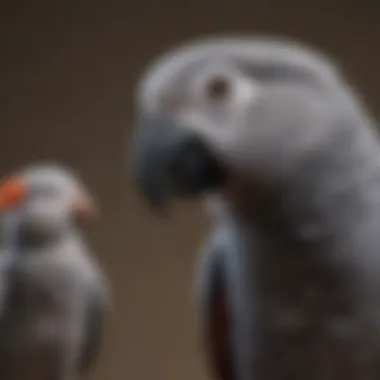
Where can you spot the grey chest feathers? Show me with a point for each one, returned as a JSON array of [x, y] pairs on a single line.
[[300, 312], [308, 318], [44, 303]]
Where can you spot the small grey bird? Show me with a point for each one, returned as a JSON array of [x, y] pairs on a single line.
[[53, 295], [271, 132]]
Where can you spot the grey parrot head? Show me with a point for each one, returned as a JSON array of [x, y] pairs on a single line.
[[216, 109], [43, 199]]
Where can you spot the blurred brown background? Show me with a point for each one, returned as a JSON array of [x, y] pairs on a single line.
[[67, 75]]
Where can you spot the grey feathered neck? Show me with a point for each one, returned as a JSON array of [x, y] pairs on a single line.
[[331, 187], [22, 238]]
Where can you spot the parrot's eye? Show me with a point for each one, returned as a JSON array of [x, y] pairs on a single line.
[[218, 88]]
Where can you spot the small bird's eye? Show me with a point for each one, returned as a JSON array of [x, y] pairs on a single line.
[[218, 87]]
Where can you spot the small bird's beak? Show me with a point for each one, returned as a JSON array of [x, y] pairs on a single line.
[[84, 207], [170, 161], [13, 192]]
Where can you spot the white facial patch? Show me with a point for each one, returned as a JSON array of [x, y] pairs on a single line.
[[216, 120]]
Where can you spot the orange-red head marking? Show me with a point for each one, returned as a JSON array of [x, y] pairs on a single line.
[[12, 192]]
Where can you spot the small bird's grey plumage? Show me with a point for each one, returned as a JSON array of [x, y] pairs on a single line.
[[274, 135], [56, 296]]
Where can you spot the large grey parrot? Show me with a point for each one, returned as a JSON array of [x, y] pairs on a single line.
[[53, 294], [286, 156]]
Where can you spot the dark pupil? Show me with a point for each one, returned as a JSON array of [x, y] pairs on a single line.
[[218, 88]]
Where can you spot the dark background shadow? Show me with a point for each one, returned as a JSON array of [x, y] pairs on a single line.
[[68, 71]]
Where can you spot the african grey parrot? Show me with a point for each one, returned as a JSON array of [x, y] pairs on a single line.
[[53, 295], [271, 135]]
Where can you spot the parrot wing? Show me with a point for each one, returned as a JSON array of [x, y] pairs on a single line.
[[213, 310], [226, 302], [95, 315], [7, 262]]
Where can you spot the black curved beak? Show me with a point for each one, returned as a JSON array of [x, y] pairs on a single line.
[[170, 161]]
